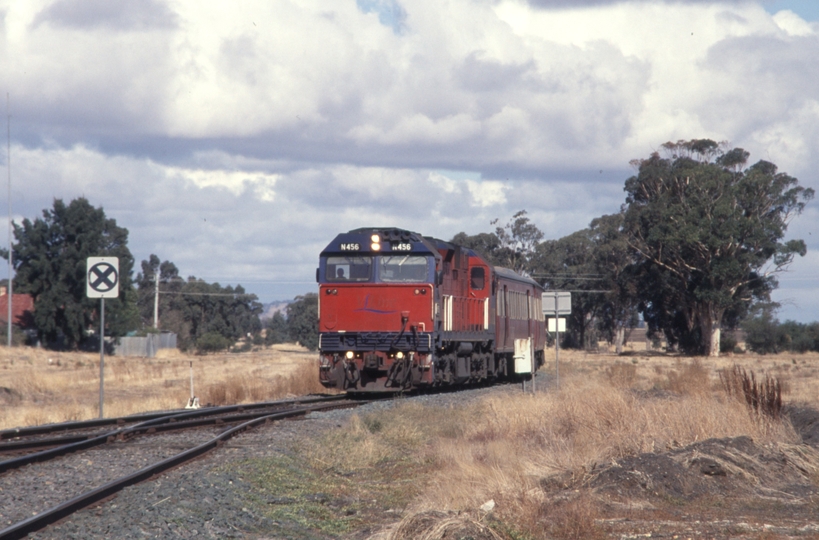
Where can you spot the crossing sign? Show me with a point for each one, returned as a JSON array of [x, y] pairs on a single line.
[[102, 277]]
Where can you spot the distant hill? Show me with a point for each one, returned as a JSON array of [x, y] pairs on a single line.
[[271, 308]]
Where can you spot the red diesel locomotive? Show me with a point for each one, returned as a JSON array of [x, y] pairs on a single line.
[[399, 311]]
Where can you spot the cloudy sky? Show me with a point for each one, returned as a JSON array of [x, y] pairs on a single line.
[[236, 139]]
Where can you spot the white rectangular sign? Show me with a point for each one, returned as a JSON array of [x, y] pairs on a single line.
[[102, 277], [561, 325], [559, 301]]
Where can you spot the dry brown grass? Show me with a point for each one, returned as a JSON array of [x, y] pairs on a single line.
[[38, 386], [521, 440], [515, 448]]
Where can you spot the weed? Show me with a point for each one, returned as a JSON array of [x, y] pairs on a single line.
[[763, 397]]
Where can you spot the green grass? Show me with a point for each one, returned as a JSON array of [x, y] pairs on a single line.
[[356, 477]]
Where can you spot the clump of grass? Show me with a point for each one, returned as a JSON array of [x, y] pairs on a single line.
[[441, 526], [251, 387], [397, 435], [763, 397], [571, 519], [687, 378]]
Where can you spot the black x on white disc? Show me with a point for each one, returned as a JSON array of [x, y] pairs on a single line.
[[103, 277]]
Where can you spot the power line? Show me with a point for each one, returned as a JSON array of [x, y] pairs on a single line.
[[584, 291], [233, 295]]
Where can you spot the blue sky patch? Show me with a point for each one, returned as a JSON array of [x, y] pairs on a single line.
[[807, 9], [390, 12]]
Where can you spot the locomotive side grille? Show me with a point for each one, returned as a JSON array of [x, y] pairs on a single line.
[[374, 341], [447, 313]]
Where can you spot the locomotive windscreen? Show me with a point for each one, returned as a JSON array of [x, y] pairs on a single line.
[[349, 268], [403, 269]]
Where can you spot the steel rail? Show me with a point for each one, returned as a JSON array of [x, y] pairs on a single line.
[[28, 444], [16, 433], [61, 511], [165, 423], [171, 423]]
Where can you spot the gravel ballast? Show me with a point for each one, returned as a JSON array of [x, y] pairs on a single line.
[[203, 499]]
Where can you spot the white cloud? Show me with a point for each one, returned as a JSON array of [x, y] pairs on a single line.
[[237, 182], [239, 139], [793, 24], [487, 193]]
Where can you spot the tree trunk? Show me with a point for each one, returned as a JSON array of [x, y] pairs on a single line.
[[710, 324], [715, 335], [618, 340]]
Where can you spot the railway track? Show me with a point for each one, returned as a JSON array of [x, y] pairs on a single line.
[[26, 441], [213, 426]]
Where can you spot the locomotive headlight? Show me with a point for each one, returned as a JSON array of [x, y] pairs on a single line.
[[375, 239], [375, 246], [349, 355], [399, 355]]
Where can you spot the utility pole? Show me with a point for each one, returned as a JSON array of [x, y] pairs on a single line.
[[156, 300], [11, 266]]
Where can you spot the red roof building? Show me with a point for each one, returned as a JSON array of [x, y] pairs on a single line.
[[22, 309]]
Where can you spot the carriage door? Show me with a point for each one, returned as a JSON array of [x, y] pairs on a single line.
[[529, 314], [505, 340]]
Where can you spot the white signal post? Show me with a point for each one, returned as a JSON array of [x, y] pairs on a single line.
[[557, 303], [102, 281]]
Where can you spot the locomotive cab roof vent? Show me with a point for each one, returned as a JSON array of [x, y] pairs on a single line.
[[390, 234]]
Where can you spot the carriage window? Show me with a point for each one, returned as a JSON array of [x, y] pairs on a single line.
[[477, 278], [349, 268], [403, 269]]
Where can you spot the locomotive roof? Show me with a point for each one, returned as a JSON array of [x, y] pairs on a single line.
[[395, 240], [390, 240]]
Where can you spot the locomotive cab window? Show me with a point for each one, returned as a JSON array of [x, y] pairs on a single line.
[[477, 278], [403, 269], [352, 268]]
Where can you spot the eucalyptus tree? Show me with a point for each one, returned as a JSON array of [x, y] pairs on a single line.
[[518, 240], [568, 264], [594, 264], [200, 309], [510, 246], [156, 285], [302, 321], [50, 257], [708, 233]]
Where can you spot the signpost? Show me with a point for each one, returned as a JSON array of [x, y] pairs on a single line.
[[102, 281], [559, 327], [557, 303]]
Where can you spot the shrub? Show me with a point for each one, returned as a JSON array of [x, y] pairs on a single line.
[[727, 342], [212, 342], [302, 321]]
